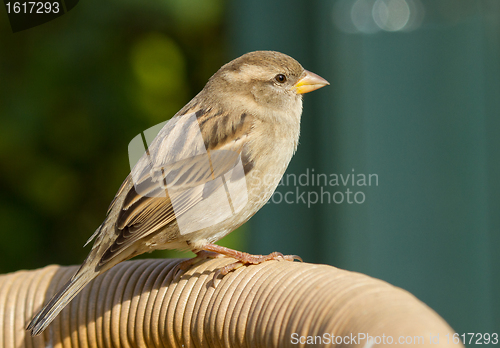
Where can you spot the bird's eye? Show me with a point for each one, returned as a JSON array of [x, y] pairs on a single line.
[[280, 78]]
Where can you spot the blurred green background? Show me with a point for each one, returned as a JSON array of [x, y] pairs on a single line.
[[414, 99]]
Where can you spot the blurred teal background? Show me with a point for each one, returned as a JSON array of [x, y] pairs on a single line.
[[414, 99]]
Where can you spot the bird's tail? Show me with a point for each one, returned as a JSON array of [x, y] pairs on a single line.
[[61, 299]]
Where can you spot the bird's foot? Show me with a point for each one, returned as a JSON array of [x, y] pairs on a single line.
[[244, 258]]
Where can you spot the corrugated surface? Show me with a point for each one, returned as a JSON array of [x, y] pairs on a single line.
[[138, 304]]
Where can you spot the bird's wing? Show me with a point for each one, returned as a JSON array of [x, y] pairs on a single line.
[[176, 172]]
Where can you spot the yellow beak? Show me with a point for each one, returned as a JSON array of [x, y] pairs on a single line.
[[310, 82]]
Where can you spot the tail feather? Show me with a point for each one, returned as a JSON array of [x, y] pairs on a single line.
[[59, 301], [89, 270]]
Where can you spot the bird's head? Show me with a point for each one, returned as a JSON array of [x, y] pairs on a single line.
[[266, 79]]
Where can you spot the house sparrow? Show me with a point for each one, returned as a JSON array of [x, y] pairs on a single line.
[[209, 169]]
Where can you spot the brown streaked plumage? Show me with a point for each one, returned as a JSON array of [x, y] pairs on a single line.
[[249, 110]]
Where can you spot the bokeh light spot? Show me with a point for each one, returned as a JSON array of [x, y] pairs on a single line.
[[371, 16], [158, 63], [159, 67], [361, 16], [391, 15]]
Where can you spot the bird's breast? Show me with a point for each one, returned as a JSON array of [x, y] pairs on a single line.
[[267, 165]]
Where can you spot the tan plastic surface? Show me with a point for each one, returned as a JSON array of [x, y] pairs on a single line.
[[138, 304]]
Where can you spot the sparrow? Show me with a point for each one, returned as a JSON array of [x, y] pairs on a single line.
[[208, 170]]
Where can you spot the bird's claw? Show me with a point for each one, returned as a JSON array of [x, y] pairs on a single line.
[[249, 259]]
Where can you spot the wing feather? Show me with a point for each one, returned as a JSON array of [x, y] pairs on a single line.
[[176, 166]]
